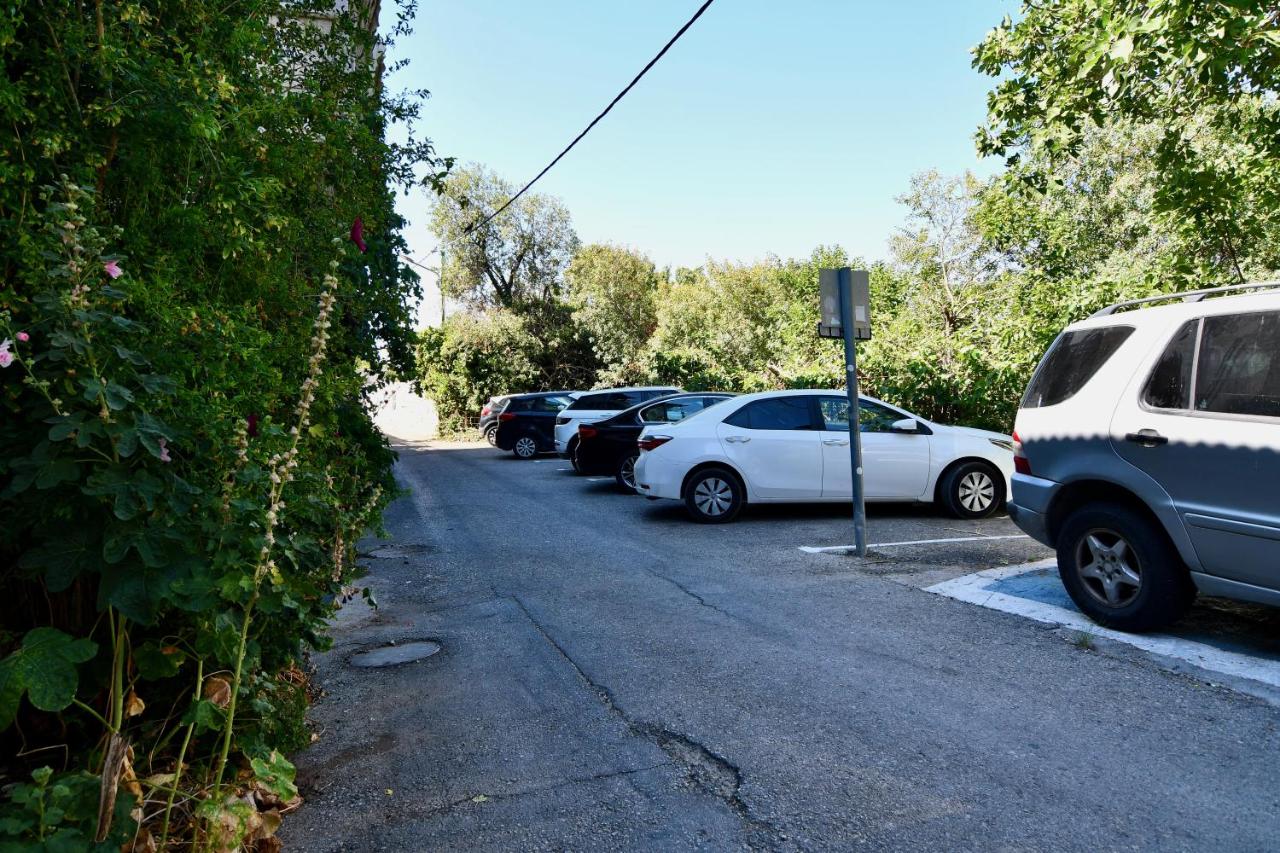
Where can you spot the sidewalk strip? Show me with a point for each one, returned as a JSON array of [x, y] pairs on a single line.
[[812, 549], [978, 589]]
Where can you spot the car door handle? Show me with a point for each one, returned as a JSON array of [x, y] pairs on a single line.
[[737, 439], [836, 442], [1146, 438]]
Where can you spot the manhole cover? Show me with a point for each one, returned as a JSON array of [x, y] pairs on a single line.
[[392, 655]]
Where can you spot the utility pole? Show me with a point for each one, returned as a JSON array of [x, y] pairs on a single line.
[[440, 284]]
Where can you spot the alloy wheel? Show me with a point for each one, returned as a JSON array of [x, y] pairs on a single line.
[[627, 471], [491, 436], [976, 491], [1108, 567], [526, 447], [713, 497]]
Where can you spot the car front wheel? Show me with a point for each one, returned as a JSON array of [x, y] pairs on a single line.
[[714, 496], [1121, 569], [973, 490], [626, 474], [526, 447], [491, 435]]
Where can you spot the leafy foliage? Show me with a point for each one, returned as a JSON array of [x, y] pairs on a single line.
[[519, 257], [189, 339]]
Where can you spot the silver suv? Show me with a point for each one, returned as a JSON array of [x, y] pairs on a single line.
[[1147, 453]]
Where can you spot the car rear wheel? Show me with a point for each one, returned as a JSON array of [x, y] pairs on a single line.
[[626, 474], [526, 447], [1121, 569], [973, 490], [714, 496], [491, 435], [573, 455]]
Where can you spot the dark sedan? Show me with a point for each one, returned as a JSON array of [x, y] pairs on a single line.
[[609, 446], [526, 424]]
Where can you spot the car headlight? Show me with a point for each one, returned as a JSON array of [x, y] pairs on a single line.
[[1002, 443]]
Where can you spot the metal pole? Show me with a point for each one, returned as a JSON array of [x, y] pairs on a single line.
[[440, 284], [845, 278]]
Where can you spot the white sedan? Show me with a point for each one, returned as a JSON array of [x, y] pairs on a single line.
[[793, 446]]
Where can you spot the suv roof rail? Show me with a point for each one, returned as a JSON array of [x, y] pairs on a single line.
[[1186, 296]]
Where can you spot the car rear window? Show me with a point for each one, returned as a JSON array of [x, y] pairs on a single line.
[[1071, 362]]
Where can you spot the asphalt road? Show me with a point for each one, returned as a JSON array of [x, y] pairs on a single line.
[[615, 677]]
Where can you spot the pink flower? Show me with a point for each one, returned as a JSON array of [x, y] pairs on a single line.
[[113, 269], [6, 357], [164, 450], [23, 337], [357, 234]]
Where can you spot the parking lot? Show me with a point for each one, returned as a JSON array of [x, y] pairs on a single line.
[[613, 674]]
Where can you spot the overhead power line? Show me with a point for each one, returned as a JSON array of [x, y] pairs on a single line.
[[596, 120]]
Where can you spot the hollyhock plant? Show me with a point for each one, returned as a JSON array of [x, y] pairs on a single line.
[[23, 337], [113, 269], [6, 357], [164, 450]]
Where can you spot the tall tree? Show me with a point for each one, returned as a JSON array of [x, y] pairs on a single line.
[[519, 256], [613, 292], [1205, 73]]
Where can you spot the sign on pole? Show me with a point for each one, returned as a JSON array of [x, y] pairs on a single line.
[[846, 313], [831, 326]]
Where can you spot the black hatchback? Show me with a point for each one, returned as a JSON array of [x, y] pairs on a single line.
[[527, 423], [609, 446]]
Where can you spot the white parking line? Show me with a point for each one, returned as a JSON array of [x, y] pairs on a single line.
[[813, 549], [979, 589], [599, 479]]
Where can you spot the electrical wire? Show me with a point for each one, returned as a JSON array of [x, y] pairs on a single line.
[[652, 62]]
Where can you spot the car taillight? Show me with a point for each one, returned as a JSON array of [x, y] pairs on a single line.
[[585, 431], [1021, 463], [484, 413], [652, 442], [507, 416]]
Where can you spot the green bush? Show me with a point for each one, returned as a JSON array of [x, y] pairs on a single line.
[[189, 327]]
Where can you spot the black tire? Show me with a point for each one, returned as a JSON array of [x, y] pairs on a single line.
[[526, 447], [973, 490], [573, 455], [1099, 575], [714, 496], [626, 474], [491, 435]]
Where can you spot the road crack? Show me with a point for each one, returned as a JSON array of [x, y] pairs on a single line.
[[705, 769]]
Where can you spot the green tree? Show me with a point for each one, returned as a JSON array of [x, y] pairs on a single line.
[[1204, 74], [613, 292], [517, 257]]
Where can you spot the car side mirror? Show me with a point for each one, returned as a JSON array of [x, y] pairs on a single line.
[[907, 425]]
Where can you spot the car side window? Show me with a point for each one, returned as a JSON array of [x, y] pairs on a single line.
[[779, 413], [872, 417], [1238, 372], [550, 404], [1169, 386]]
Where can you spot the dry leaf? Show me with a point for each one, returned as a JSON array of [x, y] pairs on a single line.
[[217, 690], [479, 798], [133, 705], [143, 842]]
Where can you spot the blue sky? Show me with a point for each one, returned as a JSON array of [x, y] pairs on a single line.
[[771, 127]]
